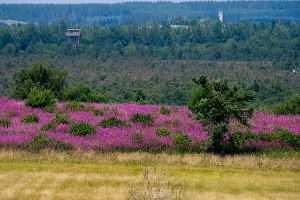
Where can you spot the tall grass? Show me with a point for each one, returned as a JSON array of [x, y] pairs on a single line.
[[94, 175]]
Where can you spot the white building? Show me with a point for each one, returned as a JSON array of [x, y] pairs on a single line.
[[221, 16]]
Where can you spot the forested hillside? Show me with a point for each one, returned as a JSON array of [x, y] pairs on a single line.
[[155, 63], [104, 14], [207, 40]]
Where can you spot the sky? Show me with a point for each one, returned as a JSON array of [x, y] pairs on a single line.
[[60, 1], [72, 1], [85, 1]]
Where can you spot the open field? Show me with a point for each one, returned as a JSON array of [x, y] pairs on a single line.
[[90, 175]]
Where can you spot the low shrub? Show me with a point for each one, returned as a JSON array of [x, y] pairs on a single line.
[[163, 132], [203, 146], [279, 109], [237, 140], [113, 121], [51, 108], [40, 98], [97, 112], [81, 128], [5, 122], [181, 140], [290, 106], [288, 137], [105, 107], [138, 137], [175, 123], [83, 93], [38, 143], [142, 118], [164, 110], [74, 106], [41, 141], [51, 125], [31, 118], [62, 118]]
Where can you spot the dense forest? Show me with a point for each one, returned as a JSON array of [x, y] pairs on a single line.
[[205, 40], [155, 64], [142, 12]]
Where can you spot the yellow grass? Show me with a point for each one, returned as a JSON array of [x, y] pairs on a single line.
[[90, 175]]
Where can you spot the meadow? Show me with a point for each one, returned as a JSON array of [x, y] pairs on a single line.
[[138, 175]]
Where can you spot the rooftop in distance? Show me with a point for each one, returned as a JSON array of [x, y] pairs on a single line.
[[73, 32]]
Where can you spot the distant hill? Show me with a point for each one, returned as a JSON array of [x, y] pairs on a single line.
[[141, 12]]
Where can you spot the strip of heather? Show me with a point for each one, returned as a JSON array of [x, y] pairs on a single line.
[[18, 132], [130, 134], [116, 137], [268, 122]]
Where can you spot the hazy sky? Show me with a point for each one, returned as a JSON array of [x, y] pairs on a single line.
[[71, 1], [60, 1]]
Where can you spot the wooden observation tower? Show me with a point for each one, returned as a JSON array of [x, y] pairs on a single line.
[[73, 35]]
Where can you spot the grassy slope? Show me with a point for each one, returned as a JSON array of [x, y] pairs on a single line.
[[87, 175]]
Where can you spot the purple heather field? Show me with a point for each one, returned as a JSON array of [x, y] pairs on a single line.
[[123, 137]]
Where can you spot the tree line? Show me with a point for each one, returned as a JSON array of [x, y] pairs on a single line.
[[142, 12], [204, 40]]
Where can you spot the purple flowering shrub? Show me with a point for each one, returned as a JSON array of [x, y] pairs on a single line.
[[133, 126], [18, 132], [136, 125], [265, 131]]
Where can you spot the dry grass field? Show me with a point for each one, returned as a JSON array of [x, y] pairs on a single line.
[[90, 175]]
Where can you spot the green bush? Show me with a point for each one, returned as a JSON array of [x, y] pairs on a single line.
[[175, 123], [51, 108], [163, 132], [40, 98], [31, 118], [62, 118], [290, 106], [97, 112], [288, 137], [83, 93], [279, 109], [105, 107], [236, 140], [75, 106], [142, 118], [164, 110], [112, 122], [5, 122], [41, 141], [51, 125], [181, 140], [81, 128], [138, 137]]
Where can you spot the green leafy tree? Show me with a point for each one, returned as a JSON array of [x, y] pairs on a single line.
[[41, 76], [216, 102]]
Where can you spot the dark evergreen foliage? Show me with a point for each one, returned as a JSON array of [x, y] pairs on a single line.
[[139, 12]]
